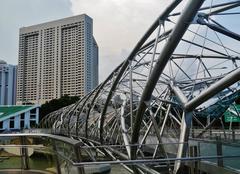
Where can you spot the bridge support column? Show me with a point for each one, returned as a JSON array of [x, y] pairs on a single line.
[[183, 140], [184, 130]]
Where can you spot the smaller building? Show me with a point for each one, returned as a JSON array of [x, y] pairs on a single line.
[[8, 83], [18, 117]]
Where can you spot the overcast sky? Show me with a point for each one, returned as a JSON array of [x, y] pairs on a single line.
[[118, 24]]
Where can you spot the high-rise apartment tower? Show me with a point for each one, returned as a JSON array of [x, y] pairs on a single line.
[[57, 58], [8, 79]]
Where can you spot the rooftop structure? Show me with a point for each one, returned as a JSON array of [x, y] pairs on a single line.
[[18, 117]]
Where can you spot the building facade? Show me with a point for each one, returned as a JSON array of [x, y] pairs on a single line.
[[18, 117], [57, 58], [95, 78], [8, 80]]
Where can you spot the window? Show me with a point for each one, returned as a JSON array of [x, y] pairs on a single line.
[[22, 124], [11, 124], [22, 116], [33, 111], [32, 116]]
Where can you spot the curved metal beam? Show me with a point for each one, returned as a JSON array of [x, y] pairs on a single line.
[[217, 87], [175, 37]]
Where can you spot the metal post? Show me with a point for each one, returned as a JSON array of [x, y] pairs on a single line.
[[24, 153], [230, 127], [233, 135], [131, 95], [193, 152], [219, 151], [210, 131]]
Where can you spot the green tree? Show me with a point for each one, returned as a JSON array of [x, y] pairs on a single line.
[[56, 104]]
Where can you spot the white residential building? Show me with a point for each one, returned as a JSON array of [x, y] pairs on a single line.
[[57, 58]]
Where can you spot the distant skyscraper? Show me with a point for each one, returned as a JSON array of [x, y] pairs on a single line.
[[8, 79], [57, 58], [95, 65]]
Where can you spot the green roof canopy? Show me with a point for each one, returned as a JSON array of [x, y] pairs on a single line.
[[9, 111]]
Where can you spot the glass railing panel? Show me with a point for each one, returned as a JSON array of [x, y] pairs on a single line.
[[35, 158], [41, 158], [10, 157], [66, 150], [51, 155], [10, 140], [228, 150], [66, 167]]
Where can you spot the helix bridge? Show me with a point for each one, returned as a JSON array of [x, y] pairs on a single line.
[[183, 71]]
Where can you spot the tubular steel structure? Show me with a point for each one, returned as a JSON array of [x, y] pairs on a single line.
[[183, 70]]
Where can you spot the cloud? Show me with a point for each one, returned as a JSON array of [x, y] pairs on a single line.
[[118, 25]]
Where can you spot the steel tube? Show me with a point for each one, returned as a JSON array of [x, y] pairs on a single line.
[[225, 82], [175, 37]]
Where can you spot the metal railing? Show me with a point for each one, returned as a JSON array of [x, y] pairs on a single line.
[[64, 155]]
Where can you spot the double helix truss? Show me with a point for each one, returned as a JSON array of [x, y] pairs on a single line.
[[184, 69]]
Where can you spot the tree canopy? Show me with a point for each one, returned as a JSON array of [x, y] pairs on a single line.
[[56, 104]]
